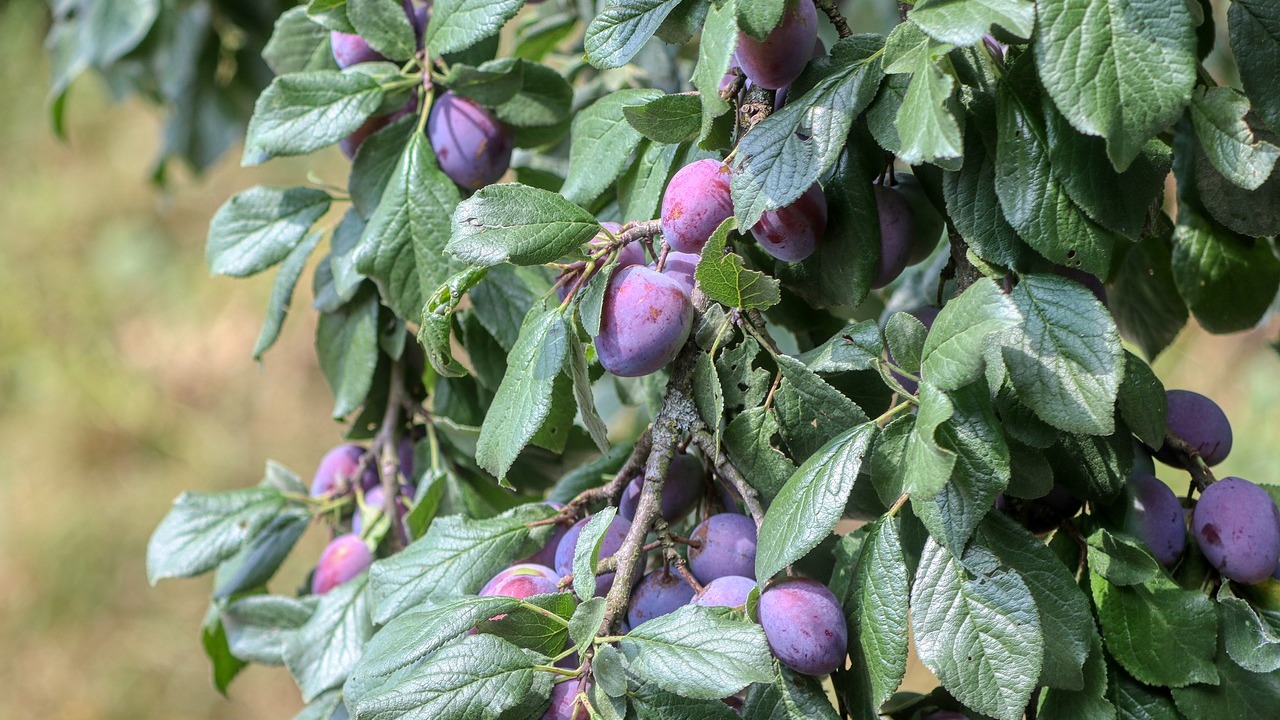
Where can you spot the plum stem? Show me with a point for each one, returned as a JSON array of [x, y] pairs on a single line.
[[828, 7], [384, 447]]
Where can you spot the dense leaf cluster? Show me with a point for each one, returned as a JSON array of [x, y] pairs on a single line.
[[1044, 133]]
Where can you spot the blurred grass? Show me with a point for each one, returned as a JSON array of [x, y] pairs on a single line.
[[126, 378]]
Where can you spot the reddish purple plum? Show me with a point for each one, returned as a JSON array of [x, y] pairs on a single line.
[[792, 233], [685, 483], [613, 538], [780, 98], [728, 591], [1200, 423], [522, 581], [645, 321], [564, 701], [351, 49], [471, 145], [694, 204], [1237, 526], [897, 235], [681, 267], [727, 546], [1153, 515], [804, 625], [547, 555], [343, 559], [342, 462], [777, 60], [659, 593]]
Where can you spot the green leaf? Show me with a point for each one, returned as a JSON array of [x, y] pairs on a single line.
[[375, 162], [1227, 280], [1218, 116], [928, 464], [953, 351], [492, 83], [748, 442], [402, 246], [602, 144], [321, 653], [974, 208], [926, 121], [700, 653], [203, 529], [641, 187], [1255, 44], [904, 336], [708, 394], [298, 44], [347, 347], [455, 557], [876, 608], [518, 224], [258, 626], [666, 119], [458, 24], [980, 473], [1067, 361], [1119, 47], [1142, 401], [328, 706], [584, 626], [715, 53], [303, 112], [1239, 694], [1093, 467], [760, 17], [282, 294], [1158, 632], [214, 639], [259, 227], [332, 14], [807, 508], [544, 99], [1251, 641], [1033, 198], [856, 347], [810, 412], [259, 558], [1143, 298], [576, 369], [607, 667], [1135, 701], [537, 624], [384, 26], [436, 330], [963, 22], [524, 399], [481, 677], [722, 277], [1065, 615], [1120, 560], [1090, 701], [616, 34], [790, 150], [586, 553], [650, 701], [791, 696], [977, 628]]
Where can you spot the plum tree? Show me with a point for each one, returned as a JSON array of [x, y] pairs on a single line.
[[1201, 424], [1237, 526], [725, 591], [609, 545], [343, 559], [694, 204], [341, 466], [726, 546], [778, 59], [791, 233], [685, 483], [1153, 515], [805, 626], [646, 318], [472, 146], [660, 592]]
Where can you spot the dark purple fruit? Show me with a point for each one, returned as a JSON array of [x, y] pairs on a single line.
[[646, 319], [1237, 526], [1153, 515], [792, 233], [804, 625], [727, 546], [1200, 423], [778, 59], [659, 593], [694, 204]]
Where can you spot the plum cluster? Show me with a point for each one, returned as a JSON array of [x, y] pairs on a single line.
[[472, 147]]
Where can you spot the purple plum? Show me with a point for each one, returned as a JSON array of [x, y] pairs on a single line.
[[343, 462], [1153, 515], [728, 591], [928, 223], [344, 558], [804, 625], [792, 233], [471, 145], [694, 204], [547, 555], [659, 593], [613, 538], [1200, 423], [522, 581], [564, 701], [727, 546], [1237, 526], [351, 49], [777, 60], [897, 234], [685, 483], [645, 321], [374, 499], [681, 267]]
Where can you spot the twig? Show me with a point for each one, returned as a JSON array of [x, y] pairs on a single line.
[[1191, 461], [828, 7], [384, 445], [707, 444], [672, 558]]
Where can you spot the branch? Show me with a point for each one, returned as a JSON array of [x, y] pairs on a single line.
[[960, 268], [828, 7], [1201, 476], [384, 445]]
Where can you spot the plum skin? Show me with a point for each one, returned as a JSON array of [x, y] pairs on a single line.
[[645, 321], [792, 233], [897, 235], [472, 147], [1237, 526], [696, 201], [777, 60], [349, 49], [1199, 422], [342, 461], [343, 559], [727, 591], [659, 593], [547, 555], [804, 625], [682, 267], [521, 581], [563, 696], [727, 547], [613, 538], [682, 488], [1153, 515]]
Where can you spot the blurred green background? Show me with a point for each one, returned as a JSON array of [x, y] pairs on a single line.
[[126, 377]]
